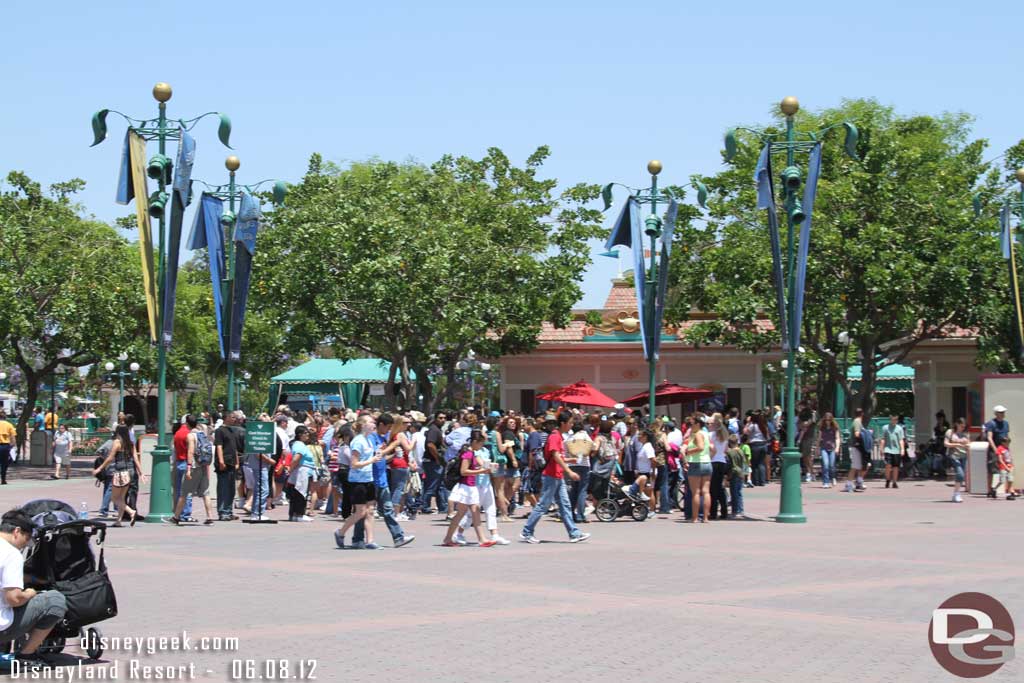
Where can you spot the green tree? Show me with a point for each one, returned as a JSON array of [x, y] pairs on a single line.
[[71, 286], [896, 256], [417, 265]]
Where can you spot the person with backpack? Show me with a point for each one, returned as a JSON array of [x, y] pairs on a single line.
[[198, 457], [180, 466], [534, 461], [125, 462], [488, 499], [861, 444], [465, 494]]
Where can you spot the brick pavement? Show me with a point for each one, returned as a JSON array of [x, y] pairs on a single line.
[[847, 596]]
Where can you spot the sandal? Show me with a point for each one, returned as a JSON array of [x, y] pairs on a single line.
[[450, 544]]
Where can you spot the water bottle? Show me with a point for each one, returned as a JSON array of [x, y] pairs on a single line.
[[83, 511]]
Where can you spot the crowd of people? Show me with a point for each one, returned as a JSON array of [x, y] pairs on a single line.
[[479, 469]]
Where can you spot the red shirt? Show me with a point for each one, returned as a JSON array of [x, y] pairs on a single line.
[[554, 444], [181, 442], [400, 461]]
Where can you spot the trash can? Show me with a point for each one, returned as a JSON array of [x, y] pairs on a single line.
[[40, 448], [977, 467]]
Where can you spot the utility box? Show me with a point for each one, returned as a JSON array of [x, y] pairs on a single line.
[[41, 448], [977, 467]]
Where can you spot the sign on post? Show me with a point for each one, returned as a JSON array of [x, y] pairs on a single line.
[[259, 437]]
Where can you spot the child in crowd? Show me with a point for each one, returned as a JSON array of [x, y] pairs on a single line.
[[1004, 475], [738, 465], [747, 455]]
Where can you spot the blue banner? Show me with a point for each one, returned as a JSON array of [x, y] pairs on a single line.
[[766, 200], [810, 192], [667, 234], [246, 227], [125, 188], [181, 196], [208, 234]]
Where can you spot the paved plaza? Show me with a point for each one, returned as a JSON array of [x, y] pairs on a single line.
[[846, 596]]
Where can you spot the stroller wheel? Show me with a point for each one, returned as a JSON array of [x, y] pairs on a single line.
[[52, 646], [93, 645], [639, 512], [607, 510]]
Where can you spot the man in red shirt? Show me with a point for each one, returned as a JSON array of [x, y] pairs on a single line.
[[180, 467], [553, 482]]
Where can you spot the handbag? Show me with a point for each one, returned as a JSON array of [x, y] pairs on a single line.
[[282, 464], [414, 484], [90, 598]]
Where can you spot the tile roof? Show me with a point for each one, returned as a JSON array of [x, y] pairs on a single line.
[[622, 297]]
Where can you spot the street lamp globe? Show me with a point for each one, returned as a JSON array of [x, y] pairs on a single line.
[[485, 366], [785, 363], [134, 367], [162, 92], [3, 376], [108, 366], [654, 167], [247, 375], [844, 338], [186, 369], [123, 356], [1020, 175], [789, 105], [462, 365], [232, 163]]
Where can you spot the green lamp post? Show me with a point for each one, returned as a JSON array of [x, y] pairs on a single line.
[[161, 129], [231, 192], [654, 230], [788, 270]]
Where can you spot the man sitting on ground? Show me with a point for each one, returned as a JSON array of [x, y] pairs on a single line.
[[23, 610]]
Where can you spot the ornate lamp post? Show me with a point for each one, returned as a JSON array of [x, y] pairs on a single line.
[[788, 272], [232, 192], [185, 370], [650, 285], [241, 383], [133, 368], [159, 294]]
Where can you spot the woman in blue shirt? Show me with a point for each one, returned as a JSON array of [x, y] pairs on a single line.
[[303, 467]]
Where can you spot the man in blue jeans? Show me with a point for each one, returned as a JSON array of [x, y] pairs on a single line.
[[378, 440], [554, 485], [433, 467], [181, 465]]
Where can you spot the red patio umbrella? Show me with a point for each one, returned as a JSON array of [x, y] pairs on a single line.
[[668, 393], [580, 394]]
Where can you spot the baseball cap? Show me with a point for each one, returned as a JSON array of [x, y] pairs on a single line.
[[495, 413], [1000, 409]]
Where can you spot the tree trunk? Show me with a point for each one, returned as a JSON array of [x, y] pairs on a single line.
[[31, 394], [426, 389], [868, 381], [389, 387]]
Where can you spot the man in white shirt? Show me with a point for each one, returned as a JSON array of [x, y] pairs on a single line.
[[23, 610]]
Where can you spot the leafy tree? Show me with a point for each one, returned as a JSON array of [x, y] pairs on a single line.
[[896, 256], [417, 265], [71, 286]]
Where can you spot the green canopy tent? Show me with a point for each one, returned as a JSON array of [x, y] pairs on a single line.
[[329, 376], [892, 379]]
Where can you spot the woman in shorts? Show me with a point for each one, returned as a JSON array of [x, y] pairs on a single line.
[[957, 441], [511, 446], [122, 454], [360, 489], [698, 472]]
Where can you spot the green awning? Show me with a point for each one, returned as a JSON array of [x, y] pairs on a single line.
[[892, 379], [330, 376]]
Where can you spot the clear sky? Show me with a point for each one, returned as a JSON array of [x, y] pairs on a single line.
[[608, 85]]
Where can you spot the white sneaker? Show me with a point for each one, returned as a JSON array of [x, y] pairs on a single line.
[[849, 487], [304, 518], [589, 510], [644, 497], [834, 481], [402, 517], [826, 485], [498, 540], [459, 538], [809, 478], [957, 498]]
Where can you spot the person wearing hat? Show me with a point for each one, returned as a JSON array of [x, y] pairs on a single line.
[[996, 431]]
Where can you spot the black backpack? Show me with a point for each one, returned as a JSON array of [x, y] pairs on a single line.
[[453, 472]]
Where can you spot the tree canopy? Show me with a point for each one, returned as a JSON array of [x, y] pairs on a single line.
[[896, 254], [419, 264]]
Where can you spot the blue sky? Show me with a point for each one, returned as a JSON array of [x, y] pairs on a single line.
[[606, 85]]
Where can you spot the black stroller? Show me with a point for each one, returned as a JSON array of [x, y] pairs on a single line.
[[62, 559], [618, 504]]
